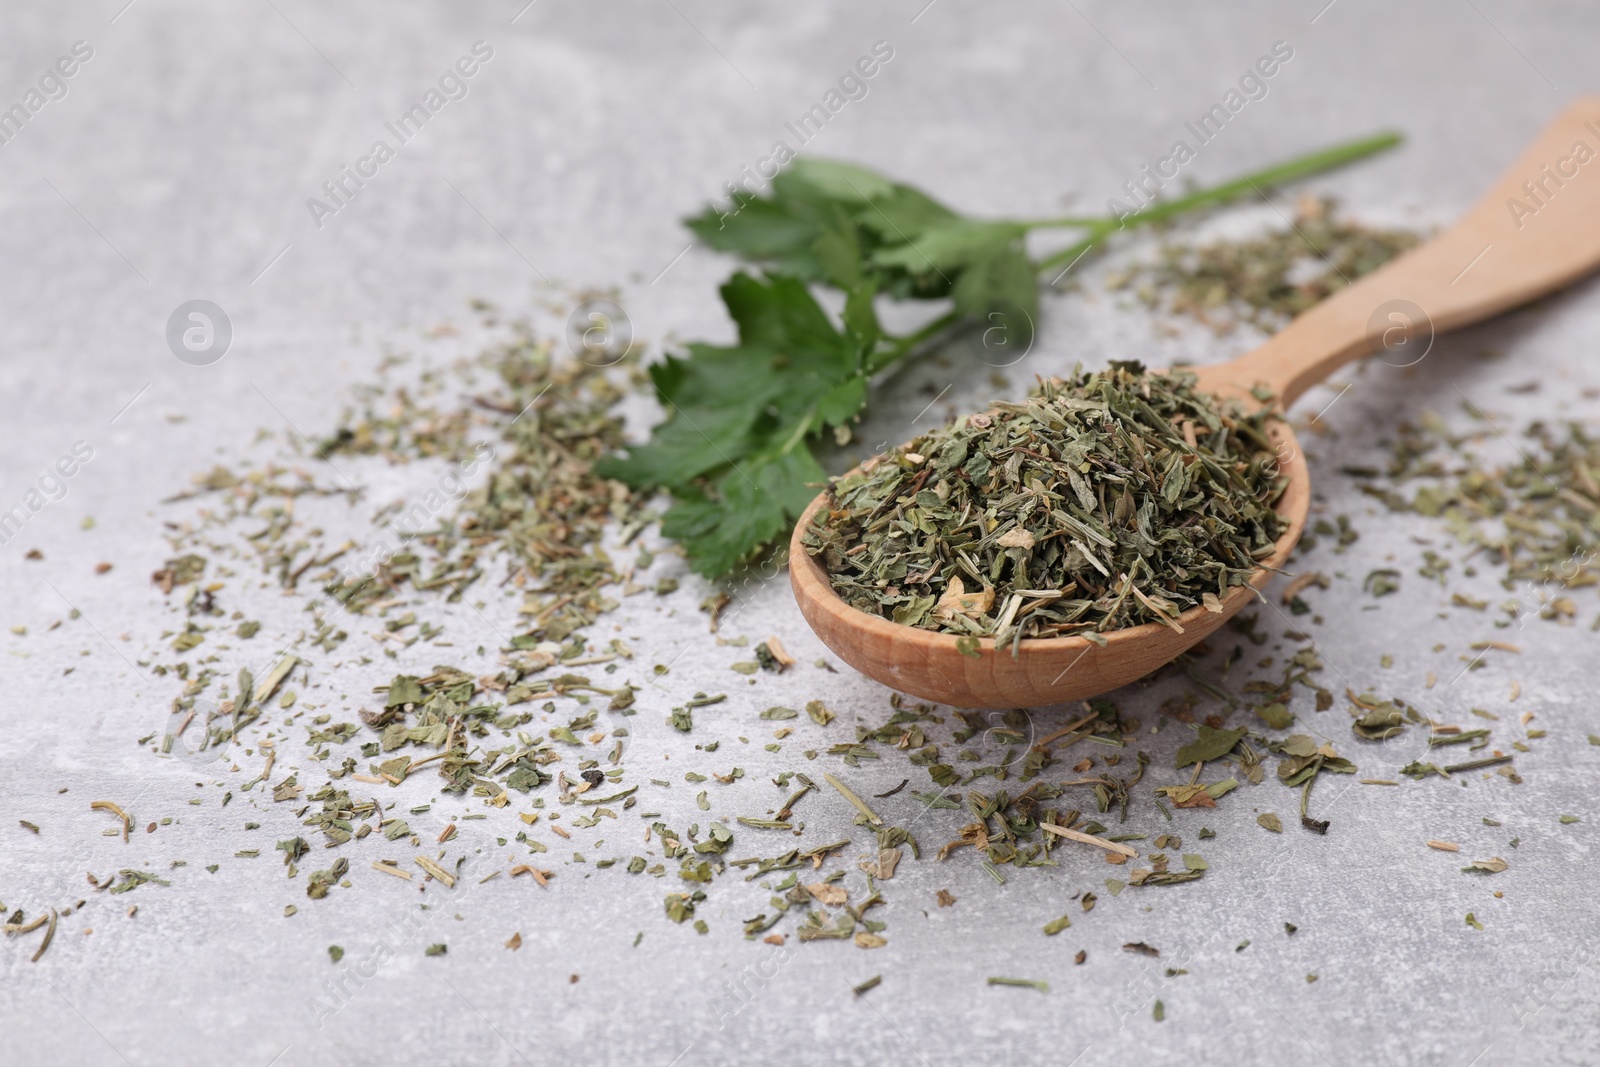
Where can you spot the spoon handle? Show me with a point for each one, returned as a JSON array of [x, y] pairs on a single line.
[[1536, 231]]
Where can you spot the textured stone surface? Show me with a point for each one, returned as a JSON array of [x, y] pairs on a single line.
[[177, 167]]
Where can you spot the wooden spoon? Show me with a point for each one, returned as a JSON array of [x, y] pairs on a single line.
[[1535, 232]]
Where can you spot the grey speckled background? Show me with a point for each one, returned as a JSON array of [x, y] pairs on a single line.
[[178, 167]]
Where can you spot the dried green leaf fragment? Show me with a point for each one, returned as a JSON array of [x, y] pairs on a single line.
[[1276, 716], [1209, 744], [1055, 926]]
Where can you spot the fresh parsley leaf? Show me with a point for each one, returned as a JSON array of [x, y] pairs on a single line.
[[850, 227], [734, 449], [747, 508], [827, 221]]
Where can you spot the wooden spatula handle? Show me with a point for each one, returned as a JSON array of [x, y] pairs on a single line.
[[1536, 231]]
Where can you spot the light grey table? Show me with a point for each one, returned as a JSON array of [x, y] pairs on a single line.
[[178, 165]]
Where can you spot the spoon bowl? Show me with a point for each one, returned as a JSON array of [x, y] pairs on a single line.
[[1051, 670], [1494, 259]]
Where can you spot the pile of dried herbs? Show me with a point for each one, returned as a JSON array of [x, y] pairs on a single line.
[[542, 509], [1108, 499]]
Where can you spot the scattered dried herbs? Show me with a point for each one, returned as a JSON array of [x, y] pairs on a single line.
[[964, 535], [1267, 280]]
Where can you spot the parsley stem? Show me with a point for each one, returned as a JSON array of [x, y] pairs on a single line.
[[903, 345], [1101, 228], [1278, 174], [1068, 222], [1075, 251]]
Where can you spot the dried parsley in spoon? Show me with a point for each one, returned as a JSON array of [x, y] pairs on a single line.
[[1108, 499]]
